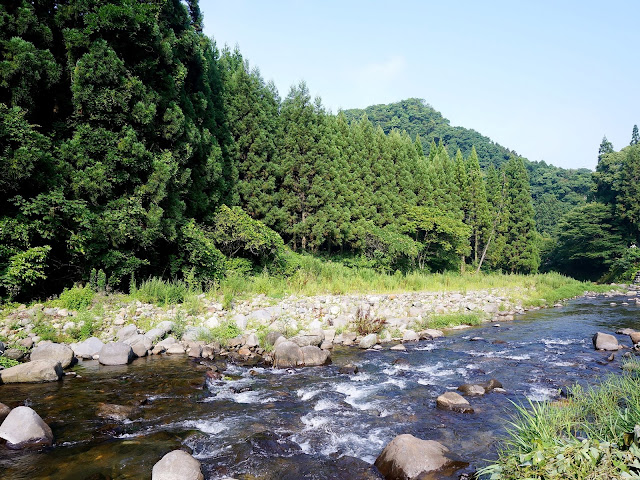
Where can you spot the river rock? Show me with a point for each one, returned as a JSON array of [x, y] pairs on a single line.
[[53, 351], [368, 341], [472, 390], [126, 332], [14, 354], [175, 349], [410, 336], [26, 342], [454, 402], [491, 385], [23, 428], [431, 332], [635, 337], [287, 354], [604, 341], [348, 369], [118, 413], [140, 344], [2, 348], [4, 411], [313, 356], [155, 333], [88, 348], [177, 465], [407, 458], [400, 347], [272, 337], [116, 353], [32, 372], [252, 341], [315, 338]]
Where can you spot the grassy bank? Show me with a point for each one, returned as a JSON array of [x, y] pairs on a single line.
[[595, 434]]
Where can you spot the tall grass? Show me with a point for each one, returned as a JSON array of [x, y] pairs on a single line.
[[591, 435], [162, 292]]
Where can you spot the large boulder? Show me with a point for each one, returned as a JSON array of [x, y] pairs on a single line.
[[410, 336], [604, 341], [116, 353], [177, 465], [314, 357], [23, 428], [407, 458], [88, 348], [126, 332], [53, 351], [287, 354], [635, 337], [32, 372], [454, 402], [140, 344], [271, 338], [369, 341], [313, 338]]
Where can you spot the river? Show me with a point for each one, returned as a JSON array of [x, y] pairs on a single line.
[[313, 423]]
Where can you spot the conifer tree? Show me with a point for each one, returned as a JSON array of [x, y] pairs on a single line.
[[635, 136], [478, 212]]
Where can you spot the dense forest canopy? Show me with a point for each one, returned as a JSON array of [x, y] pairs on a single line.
[[131, 145]]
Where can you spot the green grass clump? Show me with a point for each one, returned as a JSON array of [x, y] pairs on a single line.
[[163, 292], [593, 435], [222, 333], [448, 320], [8, 362], [76, 298]]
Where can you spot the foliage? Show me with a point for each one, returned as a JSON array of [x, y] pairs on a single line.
[[446, 320], [6, 362], [365, 323], [163, 292], [222, 333], [76, 298]]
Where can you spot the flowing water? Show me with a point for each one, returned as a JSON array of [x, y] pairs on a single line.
[[312, 423]]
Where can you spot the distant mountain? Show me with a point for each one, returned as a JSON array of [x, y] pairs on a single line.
[[554, 190]]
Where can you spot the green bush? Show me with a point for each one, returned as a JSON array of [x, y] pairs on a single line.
[[76, 298], [222, 333], [365, 323], [8, 362], [163, 292]]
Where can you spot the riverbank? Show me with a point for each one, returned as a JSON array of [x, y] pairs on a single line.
[[227, 311]]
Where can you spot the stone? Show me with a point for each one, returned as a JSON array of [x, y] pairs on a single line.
[[409, 458], [32, 372], [454, 402], [53, 351], [167, 342], [400, 347], [472, 390], [410, 336], [432, 332], [348, 369], [118, 413], [271, 338], [116, 353], [625, 331], [313, 356], [368, 341], [313, 338], [126, 332], [604, 341], [491, 385], [177, 465], [241, 321], [195, 349], [26, 342], [140, 344], [155, 333], [287, 354], [260, 316], [635, 337], [2, 348], [4, 411], [252, 340], [88, 348], [329, 335], [175, 349], [14, 354], [24, 428]]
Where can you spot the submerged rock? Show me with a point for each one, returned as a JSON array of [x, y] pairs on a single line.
[[24, 428], [604, 341], [348, 369], [53, 351], [33, 372], [407, 458], [177, 465], [115, 412], [472, 390], [454, 402]]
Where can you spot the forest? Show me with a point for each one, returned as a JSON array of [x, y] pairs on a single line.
[[176, 159]]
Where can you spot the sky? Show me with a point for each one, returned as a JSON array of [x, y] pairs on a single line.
[[547, 79]]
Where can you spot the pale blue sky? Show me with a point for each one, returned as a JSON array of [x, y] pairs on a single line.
[[546, 79]]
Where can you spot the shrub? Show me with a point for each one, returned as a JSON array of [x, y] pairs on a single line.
[[365, 323], [76, 298], [163, 292], [8, 362], [222, 333]]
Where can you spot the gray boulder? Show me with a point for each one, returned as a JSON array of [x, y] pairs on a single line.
[[410, 336], [126, 332], [53, 351], [116, 353], [140, 344], [472, 390], [14, 354], [32, 372], [454, 402], [23, 428], [368, 341], [118, 413], [252, 340], [313, 356], [272, 337], [604, 341], [315, 338], [287, 354], [407, 458], [88, 348], [2, 348], [177, 465], [635, 337], [155, 333]]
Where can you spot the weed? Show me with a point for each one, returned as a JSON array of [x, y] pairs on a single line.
[[8, 362], [76, 298], [446, 320], [365, 323], [222, 333]]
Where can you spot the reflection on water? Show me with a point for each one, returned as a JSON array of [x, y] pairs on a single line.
[[311, 423]]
